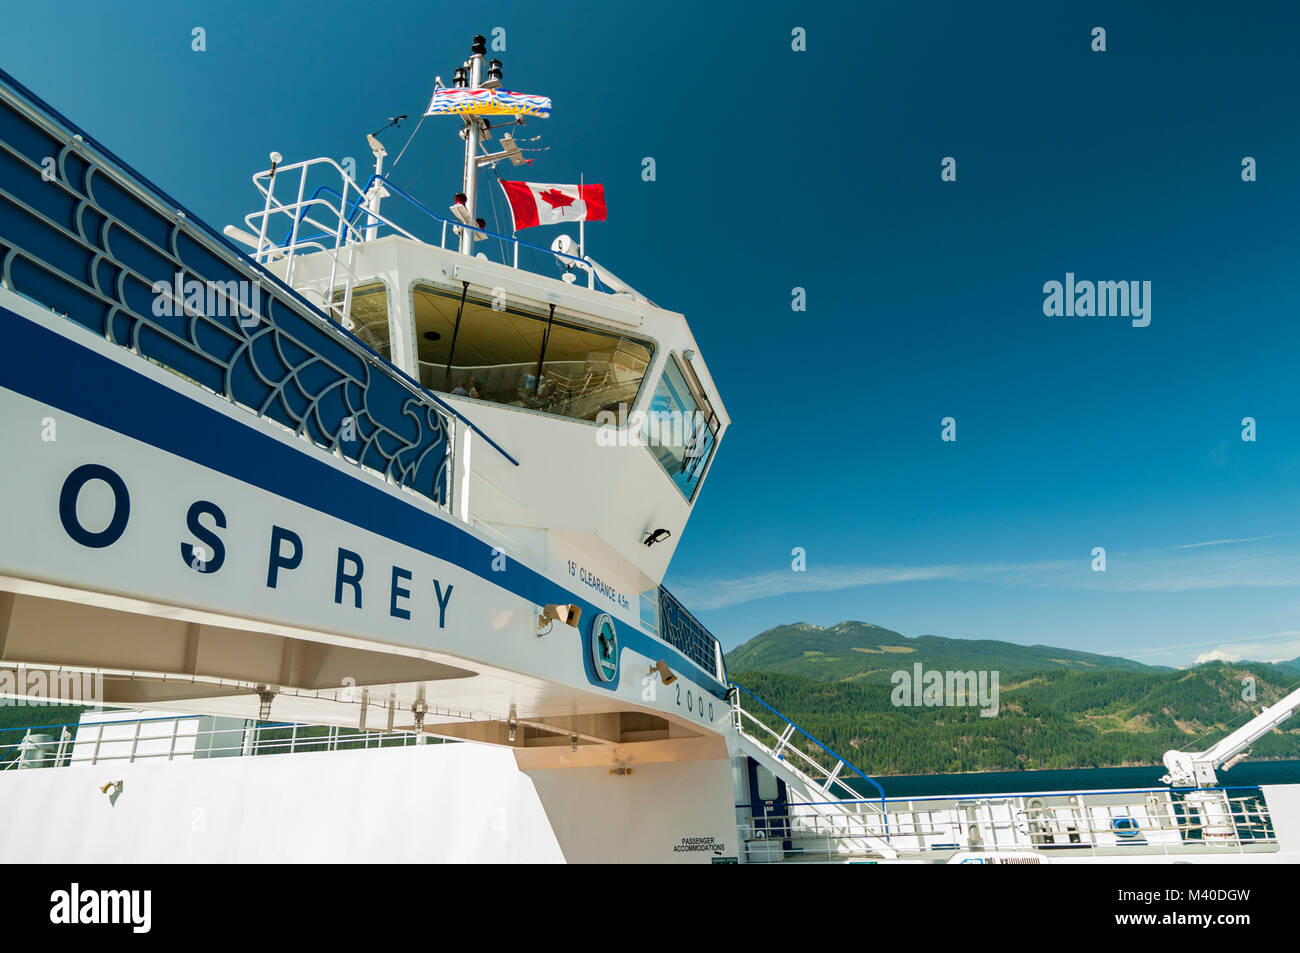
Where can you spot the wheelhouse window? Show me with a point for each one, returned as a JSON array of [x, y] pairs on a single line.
[[368, 311], [534, 359], [680, 427]]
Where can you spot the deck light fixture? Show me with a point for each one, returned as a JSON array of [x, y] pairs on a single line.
[[665, 674], [657, 536], [265, 695], [569, 615], [460, 210]]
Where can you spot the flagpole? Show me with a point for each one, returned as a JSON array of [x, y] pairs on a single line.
[[472, 134], [582, 223]]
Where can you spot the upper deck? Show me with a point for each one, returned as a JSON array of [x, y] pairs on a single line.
[[207, 389], [602, 397]]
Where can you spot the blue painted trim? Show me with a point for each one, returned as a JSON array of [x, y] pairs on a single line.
[[53, 369], [234, 251]]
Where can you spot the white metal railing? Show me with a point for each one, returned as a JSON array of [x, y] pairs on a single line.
[[345, 217], [781, 745], [336, 232], [1091, 823], [860, 826], [172, 737]]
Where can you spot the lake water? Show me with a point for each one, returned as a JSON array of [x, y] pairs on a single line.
[[1247, 774]]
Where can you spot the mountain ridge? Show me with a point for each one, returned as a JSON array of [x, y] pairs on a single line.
[[1056, 708], [853, 650]]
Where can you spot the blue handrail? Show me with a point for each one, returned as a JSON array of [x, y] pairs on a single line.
[[845, 761]]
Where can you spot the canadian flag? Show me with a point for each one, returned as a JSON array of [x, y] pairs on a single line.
[[543, 203]]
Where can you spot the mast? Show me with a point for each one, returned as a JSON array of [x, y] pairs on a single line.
[[377, 192], [472, 133]]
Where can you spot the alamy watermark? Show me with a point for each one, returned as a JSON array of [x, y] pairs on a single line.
[[1101, 299], [655, 428], [935, 689], [22, 687], [216, 299], [133, 908]]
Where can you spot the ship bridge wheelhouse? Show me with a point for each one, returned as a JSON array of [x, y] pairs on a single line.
[[590, 389]]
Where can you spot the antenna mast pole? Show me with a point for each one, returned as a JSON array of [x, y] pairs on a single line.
[[472, 132], [377, 192]]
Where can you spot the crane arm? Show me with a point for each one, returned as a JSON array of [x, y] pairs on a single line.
[[1197, 768]]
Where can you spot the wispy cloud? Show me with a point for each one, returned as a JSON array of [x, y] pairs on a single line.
[[1226, 542], [1189, 566], [1267, 647]]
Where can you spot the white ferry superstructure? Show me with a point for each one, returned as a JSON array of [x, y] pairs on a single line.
[[339, 468]]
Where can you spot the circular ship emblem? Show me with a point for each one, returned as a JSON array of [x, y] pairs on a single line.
[[604, 647]]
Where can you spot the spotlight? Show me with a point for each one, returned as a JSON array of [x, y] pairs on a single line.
[[657, 536], [569, 615], [665, 674]]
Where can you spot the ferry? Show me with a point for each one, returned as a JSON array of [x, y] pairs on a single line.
[[355, 517]]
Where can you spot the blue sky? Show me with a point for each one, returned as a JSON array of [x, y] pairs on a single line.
[[821, 169]]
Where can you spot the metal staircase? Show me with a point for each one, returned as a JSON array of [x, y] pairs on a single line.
[[826, 818]]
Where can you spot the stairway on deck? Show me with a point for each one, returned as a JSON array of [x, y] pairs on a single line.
[[846, 823]]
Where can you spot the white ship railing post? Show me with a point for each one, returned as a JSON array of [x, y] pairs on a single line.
[[266, 211], [297, 219], [462, 468]]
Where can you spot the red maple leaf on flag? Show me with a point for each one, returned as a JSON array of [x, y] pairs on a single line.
[[556, 199]]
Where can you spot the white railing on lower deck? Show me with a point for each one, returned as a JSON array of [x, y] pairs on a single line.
[[173, 737], [1098, 823]]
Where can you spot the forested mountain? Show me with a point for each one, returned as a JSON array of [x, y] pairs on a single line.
[[1057, 708], [858, 649]]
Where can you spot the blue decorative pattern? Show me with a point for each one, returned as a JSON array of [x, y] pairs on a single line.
[[88, 240], [685, 633]]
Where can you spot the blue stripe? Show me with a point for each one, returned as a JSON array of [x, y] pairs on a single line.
[[54, 370], [232, 251]]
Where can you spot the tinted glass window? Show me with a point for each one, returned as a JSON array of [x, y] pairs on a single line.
[[680, 429], [369, 315], [495, 355]]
